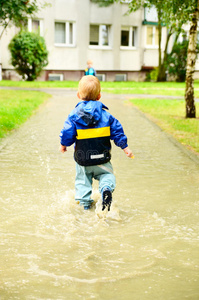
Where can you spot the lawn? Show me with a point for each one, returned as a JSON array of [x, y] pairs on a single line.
[[39, 84], [176, 89], [170, 116], [16, 107], [130, 87]]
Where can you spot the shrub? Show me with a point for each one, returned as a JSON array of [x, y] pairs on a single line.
[[29, 54], [152, 75], [177, 61]]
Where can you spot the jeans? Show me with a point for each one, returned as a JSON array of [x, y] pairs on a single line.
[[84, 178]]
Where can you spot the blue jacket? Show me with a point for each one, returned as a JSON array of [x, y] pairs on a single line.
[[90, 71], [91, 128]]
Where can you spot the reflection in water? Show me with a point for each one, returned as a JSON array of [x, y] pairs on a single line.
[[147, 245]]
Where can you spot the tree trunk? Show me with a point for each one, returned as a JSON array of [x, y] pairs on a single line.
[[191, 59], [162, 67], [160, 71], [4, 28]]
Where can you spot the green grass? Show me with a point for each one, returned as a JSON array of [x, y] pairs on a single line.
[[176, 89], [106, 84], [129, 87], [16, 107], [170, 116], [39, 84], [150, 91]]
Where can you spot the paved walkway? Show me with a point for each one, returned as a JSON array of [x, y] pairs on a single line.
[[159, 158], [47, 237]]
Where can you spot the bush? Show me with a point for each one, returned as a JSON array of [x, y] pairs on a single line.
[[177, 61], [152, 75], [29, 54]]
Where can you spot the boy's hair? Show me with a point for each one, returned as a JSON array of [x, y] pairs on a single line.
[[89, 87], [89, 62]]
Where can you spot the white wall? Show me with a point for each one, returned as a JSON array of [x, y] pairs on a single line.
[[84, 13]]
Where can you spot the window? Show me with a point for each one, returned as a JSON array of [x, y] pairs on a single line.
[[120, 77], [64, 33], [94, 35], [152, 36], [60, 33], [101, 77], [99, 35], [128, 36], [35, 25]]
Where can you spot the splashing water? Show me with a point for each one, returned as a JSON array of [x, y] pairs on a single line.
[[145, 247]]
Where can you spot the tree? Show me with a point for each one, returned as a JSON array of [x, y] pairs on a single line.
[[173, 14], [191, 59], [28, 54], [163, 12], [15, 12], [177, 61], [104, 2]]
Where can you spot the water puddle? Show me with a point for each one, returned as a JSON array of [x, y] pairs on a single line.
[[147, 245]]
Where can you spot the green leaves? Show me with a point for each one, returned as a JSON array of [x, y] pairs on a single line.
[[104, 2], [177, 60], [16, 11], [172, 12], [29, 54]]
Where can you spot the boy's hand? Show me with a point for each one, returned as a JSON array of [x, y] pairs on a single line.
[[62, 149], [128, 152]]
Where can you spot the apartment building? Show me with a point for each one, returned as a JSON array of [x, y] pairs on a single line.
[[122, 46]]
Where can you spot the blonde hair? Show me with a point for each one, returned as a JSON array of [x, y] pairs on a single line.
[[89, 87], [89, 62]]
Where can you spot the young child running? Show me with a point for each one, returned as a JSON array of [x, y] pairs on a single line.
[[91, 128], [90, 70]]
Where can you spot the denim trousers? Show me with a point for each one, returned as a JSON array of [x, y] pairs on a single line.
[[84, 178]]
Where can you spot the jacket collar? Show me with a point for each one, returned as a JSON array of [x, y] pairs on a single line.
[[84, 101]]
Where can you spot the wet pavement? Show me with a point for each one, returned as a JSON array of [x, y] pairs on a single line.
[[146, 247]]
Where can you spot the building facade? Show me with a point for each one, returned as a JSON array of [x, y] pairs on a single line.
[[122, 46]]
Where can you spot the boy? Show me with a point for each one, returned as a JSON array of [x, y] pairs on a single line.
[[90, 70], [91, 128]]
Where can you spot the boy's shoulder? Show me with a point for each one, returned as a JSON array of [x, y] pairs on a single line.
[[89, 107]]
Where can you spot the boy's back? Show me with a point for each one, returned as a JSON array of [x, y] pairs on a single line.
[[91, 128]]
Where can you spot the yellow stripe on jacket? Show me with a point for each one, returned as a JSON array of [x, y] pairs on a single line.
[[93, 133]]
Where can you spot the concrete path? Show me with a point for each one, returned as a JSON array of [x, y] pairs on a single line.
[[147, 246]]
